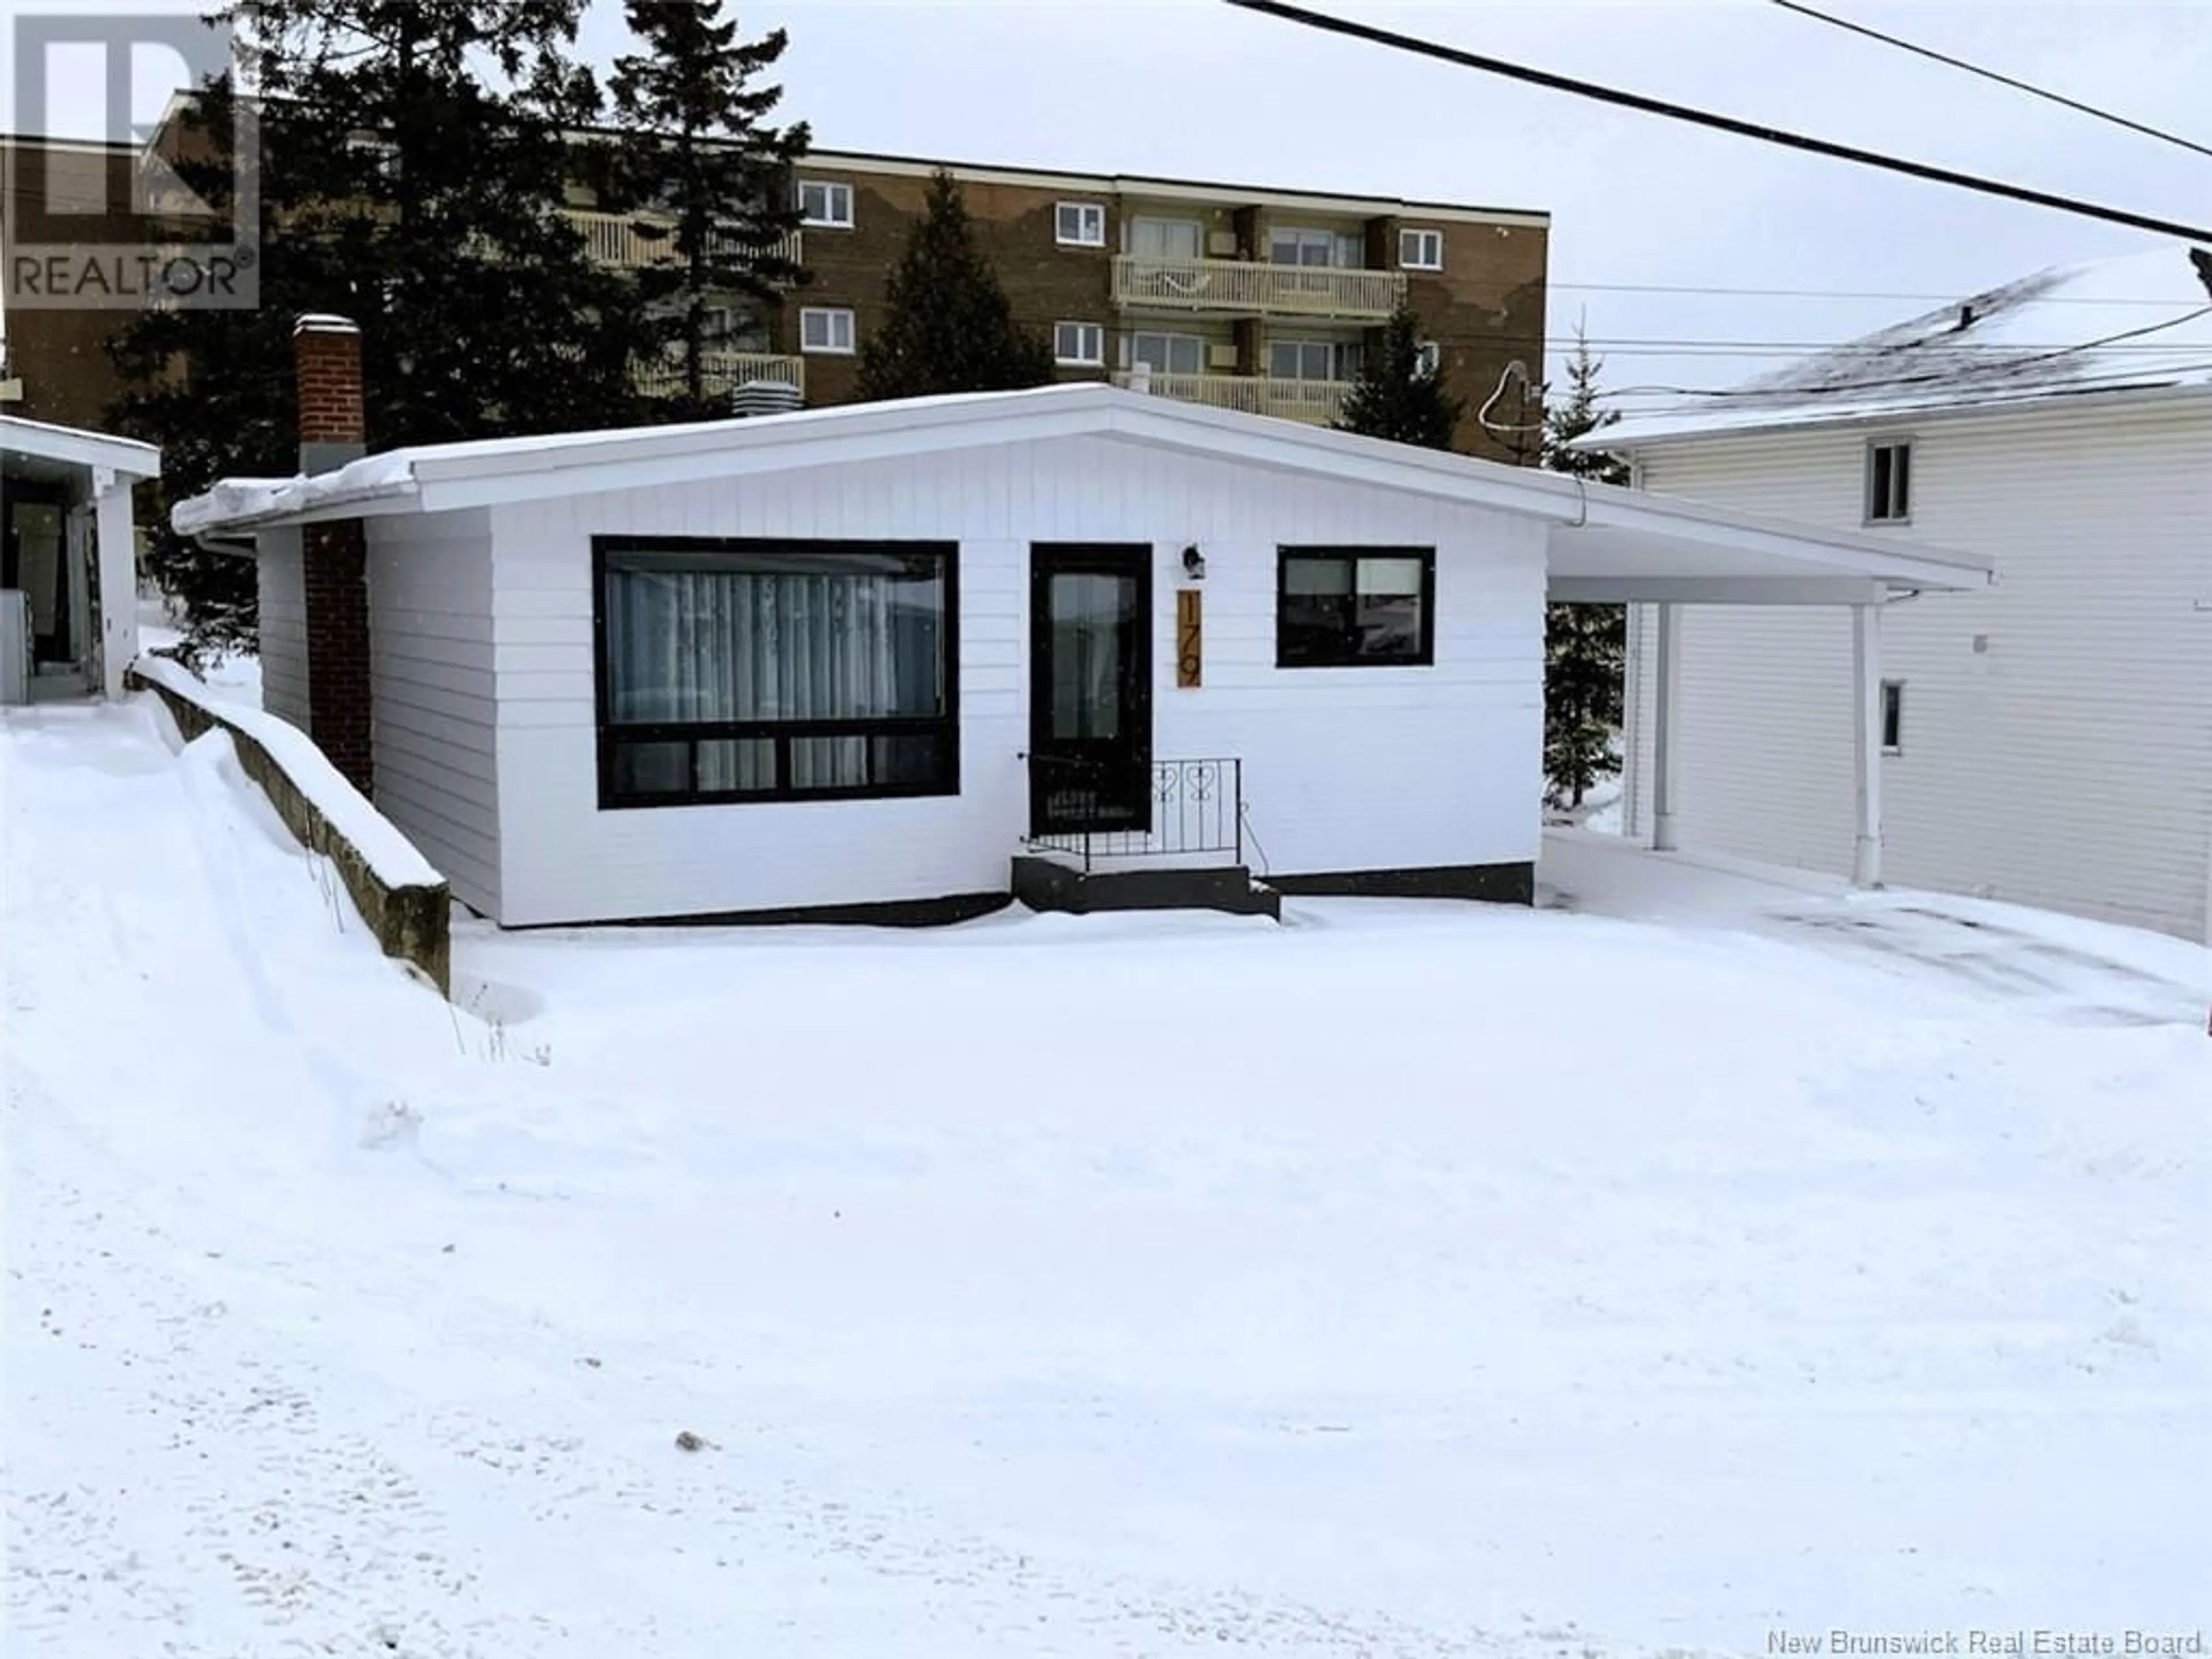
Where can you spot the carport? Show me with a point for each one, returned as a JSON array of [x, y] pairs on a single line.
[[1629, 547], [68, 589]]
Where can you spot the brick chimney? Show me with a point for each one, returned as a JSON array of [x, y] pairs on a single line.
[[333, 430]]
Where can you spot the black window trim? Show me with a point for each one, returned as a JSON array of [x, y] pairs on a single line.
[[946, 727], [1876, 508], [1424, 657]]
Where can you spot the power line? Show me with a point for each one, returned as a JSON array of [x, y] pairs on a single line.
[[1637, 101], [1828, 294], [2048, 96], [1894, 382]]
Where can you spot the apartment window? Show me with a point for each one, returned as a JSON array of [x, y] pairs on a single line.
[[825, 204], [1168, 354], [1079, 345], [1428, 358], [734, 671], [1889, 483], [824, 329], [1312, 360], [1289, 244], [1079, 224], [1892, 717], [1345, 607], [1166, 239], [1421, 249]]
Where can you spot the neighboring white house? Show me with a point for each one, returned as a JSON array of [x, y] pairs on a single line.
[[856, 661], [68, 592], [2048, 740]]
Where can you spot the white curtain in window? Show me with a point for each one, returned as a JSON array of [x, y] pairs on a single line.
[[687, 645]]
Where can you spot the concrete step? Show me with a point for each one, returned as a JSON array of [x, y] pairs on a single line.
[[1045, 884]]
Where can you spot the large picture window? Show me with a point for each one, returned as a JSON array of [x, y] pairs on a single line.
[[775, 671], [1341, 607]]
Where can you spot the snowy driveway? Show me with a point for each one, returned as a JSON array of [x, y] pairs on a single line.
[[2034, 962], [1411, 1281]]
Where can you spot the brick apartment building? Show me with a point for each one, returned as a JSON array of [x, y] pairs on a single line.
[[1254, 299], [60, 192], [1259, 299]]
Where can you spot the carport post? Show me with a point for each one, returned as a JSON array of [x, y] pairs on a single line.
[[1866, 741], [1667, 662], [116, 579]]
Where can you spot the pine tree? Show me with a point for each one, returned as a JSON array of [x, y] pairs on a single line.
[[1585, 646], [948, 326], [412, 164], [700, 151], [1400, 392]]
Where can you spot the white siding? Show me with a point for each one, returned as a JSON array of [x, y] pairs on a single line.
[[283, 613], [1345, 769], [2068, 763], [430, 675]]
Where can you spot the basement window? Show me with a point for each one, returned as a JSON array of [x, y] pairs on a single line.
[[1892, 717], [1889, 483]]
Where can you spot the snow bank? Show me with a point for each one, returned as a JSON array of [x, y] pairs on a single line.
[[390, 855], [403, 898], [1412, 1281]]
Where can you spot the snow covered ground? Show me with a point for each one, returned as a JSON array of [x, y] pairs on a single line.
[[1410, 1279]]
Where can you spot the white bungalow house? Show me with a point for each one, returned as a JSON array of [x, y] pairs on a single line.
[[888, 661], [2047, 740], [69, 593]]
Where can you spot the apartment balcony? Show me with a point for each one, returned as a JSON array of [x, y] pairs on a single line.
[[723, 372], [616, 240], [1248, 288], [1317, 403]]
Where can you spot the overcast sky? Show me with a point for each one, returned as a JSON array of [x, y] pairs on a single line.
[[1195, 88]]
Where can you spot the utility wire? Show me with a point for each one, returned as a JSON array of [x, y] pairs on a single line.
[[1697, 288], [1891, 383], [1730, 124], [2049, 97]]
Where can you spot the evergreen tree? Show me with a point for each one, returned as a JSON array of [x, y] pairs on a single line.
[[1401, 393], [412, 161], [1585, 646], [702, 151], [948, 326]]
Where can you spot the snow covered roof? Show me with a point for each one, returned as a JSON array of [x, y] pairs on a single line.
[[2138, 326], [72, 446], [1603, 527]]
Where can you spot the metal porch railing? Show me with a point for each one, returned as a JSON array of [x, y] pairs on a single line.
[[1197, 807]]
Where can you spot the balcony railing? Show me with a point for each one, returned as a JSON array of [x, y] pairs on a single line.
[[616, 240], [1250, 288], [1197, 814], [723, 372], [1317, 403]]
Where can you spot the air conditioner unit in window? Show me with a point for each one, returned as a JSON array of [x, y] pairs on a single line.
[[1221, 356], [1221, 244]]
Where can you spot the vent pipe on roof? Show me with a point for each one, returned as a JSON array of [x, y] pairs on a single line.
[[1966, 316]]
